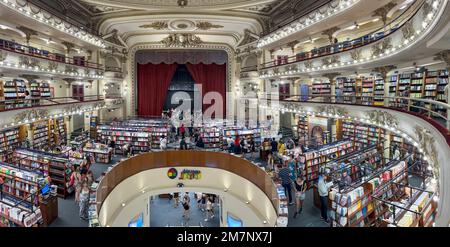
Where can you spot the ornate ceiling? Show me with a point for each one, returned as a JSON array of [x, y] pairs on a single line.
[[263, 6]]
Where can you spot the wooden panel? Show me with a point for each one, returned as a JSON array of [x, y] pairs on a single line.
[[190, 158]]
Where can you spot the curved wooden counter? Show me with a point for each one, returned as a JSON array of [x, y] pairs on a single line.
[[168, 159]]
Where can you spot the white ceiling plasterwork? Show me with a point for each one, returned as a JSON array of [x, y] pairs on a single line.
[[180, 4]]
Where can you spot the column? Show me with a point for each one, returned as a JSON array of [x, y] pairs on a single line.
[[331, 77], [445, 57], [383, 71]]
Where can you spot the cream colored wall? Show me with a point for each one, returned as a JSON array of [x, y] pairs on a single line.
[[259, 209]]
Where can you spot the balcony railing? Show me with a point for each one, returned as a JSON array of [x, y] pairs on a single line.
[[43, 54], [113, 69], [19, 104], [433, 111], [344, 46], [249, 69]]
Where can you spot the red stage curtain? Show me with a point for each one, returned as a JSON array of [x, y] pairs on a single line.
[[212, 77], [153, 84]]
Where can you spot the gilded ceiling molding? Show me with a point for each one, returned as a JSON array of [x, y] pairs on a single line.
[[408, 30], [333, 110], [31, 114], [157, 25], [382, 118], [427, 143], [182, 40], [204, 25], [355, 54], [381, 47], [158, 46], [443, 56]]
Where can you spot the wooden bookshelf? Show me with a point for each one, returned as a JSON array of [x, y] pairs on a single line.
[[212, 137], [47, 164], [367, 91], [362, 135], [9, 140], [378, 92], [315, 159], [40, 133], [303, 127], [321, 88], [348, 89], [14, 92]]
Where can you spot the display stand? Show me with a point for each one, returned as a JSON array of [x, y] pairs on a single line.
[[49, 209], [101, 153]]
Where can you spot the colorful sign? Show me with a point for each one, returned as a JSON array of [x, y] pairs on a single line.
[[186, 174], [190, 175], [172, 173]]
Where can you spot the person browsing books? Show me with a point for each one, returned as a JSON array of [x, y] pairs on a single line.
[[324, 187], [284, 174]]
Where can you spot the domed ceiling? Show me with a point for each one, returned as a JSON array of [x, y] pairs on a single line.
[[177, 4]]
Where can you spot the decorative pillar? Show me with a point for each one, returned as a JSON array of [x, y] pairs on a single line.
[[445, 57], [383, 11], [69, 48], [329, 32], [383, 71], [28, 33], [330, 77], [292, 46]]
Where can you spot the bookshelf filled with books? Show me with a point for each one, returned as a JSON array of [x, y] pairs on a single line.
[[353, 204], [367, 91], [40, 132], [243, 133], [315, 159], [9, 140], [137, 137], [14, 93], [46, 164], [416, 85], [348, 89], [212, 137], [361, 134], [44, 88], [302, 127], [321, 88], [378, 92], [19, 206]]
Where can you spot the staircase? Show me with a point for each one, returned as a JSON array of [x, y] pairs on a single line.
[[287, 133]]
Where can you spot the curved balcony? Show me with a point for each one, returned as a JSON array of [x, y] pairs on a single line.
[[35, 17], [321, 13], [24, 111], [146, 174], [32, 52], [409, 30], [417, 120]]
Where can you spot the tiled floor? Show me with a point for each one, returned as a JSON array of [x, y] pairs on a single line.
[[163, 214]]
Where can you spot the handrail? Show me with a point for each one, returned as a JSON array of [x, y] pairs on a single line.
[[344, 46], [249, 68], [19, 104], [113, 69], [168, 159], [15, 47], [433, 111]]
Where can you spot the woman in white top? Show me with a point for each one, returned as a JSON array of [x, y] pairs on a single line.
[[163, 143], [209, 208]]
